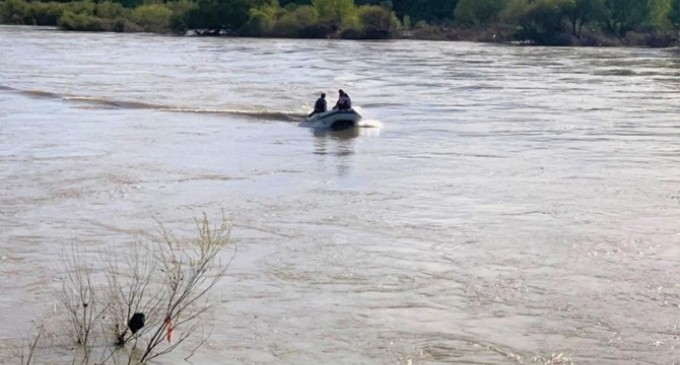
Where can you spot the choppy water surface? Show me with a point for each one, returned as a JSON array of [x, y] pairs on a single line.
[[510, 204]]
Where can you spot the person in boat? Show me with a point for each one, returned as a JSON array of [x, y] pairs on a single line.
[[344, 102], [320, 106]]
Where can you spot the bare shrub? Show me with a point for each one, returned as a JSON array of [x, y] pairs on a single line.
[[151, 298], [129, 289], [28, 353], [190, 272], [80, 299], [169, 284]]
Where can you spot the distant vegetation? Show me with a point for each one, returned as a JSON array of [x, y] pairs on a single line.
[[653, 23]]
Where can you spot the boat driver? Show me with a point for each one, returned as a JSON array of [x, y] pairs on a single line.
[[320, 106]]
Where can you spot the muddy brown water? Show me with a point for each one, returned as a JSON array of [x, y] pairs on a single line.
[[503, 205]]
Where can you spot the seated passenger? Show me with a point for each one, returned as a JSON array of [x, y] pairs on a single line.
[[344, 102]]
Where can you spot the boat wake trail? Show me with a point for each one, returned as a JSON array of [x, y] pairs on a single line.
[[123, 104]]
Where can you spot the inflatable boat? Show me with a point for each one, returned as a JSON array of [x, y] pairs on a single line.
[[335, 120]]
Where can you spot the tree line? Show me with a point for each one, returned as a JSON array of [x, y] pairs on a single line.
[[549, 22]]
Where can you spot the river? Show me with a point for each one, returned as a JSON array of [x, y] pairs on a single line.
[[502, 204]]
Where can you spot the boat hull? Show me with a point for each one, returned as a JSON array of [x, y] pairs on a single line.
[[335, 120]]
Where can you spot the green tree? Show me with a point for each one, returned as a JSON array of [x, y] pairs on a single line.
[[580, 12], [81, 21], [377, 21], [625, 15], [130, 3], [109, 10], [214, 16], [296, 3], [478, 12], [674, 14], [15, 12], [293, 23], [262, 18], [540, 21], [658, 11], [427, 10], [335, 13], [305, 15], [152, 18], [47, 13], [179, 10]]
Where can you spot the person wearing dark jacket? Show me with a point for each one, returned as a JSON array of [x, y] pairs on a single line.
[[344, 102], [320, 106]]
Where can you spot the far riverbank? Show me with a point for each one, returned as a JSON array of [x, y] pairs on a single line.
[[527, 25]]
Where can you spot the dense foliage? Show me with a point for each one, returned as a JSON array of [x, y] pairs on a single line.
[[553, 22]]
